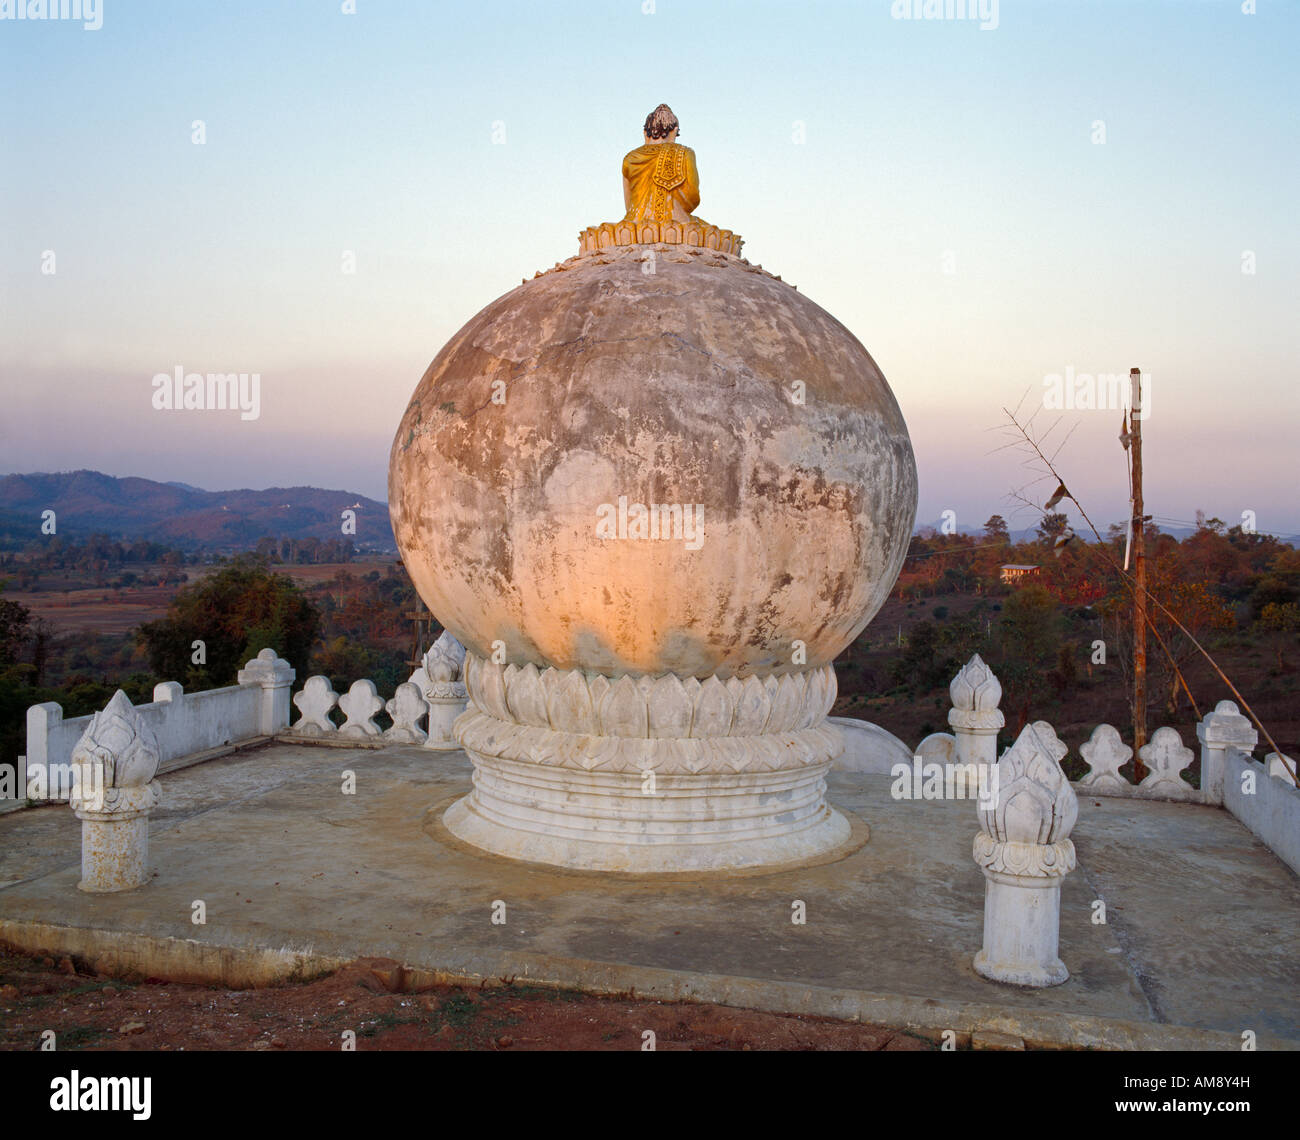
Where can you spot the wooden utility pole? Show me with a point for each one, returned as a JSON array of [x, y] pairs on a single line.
[[420, 634], [1136, 412]]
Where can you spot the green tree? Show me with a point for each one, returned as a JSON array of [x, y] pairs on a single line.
[[921, 666], [1280, 623], [1053, 524], [995, 528], [15, 619], [1273, 590], [1030, 637], [239, 610]]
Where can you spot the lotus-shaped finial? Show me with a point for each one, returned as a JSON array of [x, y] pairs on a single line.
[[975, 688], [445, 659], [120, 744], [1035, 803]]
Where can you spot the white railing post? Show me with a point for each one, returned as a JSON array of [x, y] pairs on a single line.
[[1222, 729], [275, 675], [360, 704], [314, 702], [407, 708]]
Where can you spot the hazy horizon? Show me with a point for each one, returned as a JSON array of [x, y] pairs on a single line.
[[1166, 525], [937, 187]]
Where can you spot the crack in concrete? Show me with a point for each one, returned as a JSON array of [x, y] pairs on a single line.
[[1128, 952]]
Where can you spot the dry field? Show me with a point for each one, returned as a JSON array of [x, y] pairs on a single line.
[[108, 610]]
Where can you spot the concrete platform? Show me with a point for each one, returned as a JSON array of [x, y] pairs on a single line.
[[1200, 943]]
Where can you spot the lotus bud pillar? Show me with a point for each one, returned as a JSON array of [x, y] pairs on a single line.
[[114, 764], [1023, 848]]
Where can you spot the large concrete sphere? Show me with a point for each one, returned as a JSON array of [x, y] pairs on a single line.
[[692, 378]]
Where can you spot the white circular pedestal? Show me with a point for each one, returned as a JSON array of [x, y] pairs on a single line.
[[648, 774]]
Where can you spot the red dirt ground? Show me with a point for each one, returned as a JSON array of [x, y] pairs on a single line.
[[373, 998]]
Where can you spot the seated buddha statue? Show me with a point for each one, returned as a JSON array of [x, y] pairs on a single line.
[[660, 181]]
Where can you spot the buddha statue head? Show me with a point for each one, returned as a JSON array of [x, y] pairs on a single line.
[[661, 125]]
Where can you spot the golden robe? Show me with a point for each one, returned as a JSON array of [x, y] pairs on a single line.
[[661, 183]]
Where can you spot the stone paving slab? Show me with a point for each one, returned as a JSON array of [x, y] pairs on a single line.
[[296, 877]]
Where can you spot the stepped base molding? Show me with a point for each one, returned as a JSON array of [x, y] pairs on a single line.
[[648, 774]]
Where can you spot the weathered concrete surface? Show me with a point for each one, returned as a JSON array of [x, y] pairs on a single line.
[[655, 375], [1206, 915], [296, 877]]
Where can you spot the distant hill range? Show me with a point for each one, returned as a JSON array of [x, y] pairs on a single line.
[[1030, 534], [90, 502]]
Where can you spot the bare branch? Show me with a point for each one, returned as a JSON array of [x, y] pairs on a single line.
[[1131, 583]]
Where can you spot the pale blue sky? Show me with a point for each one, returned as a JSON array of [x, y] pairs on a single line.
[[374, 133]]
